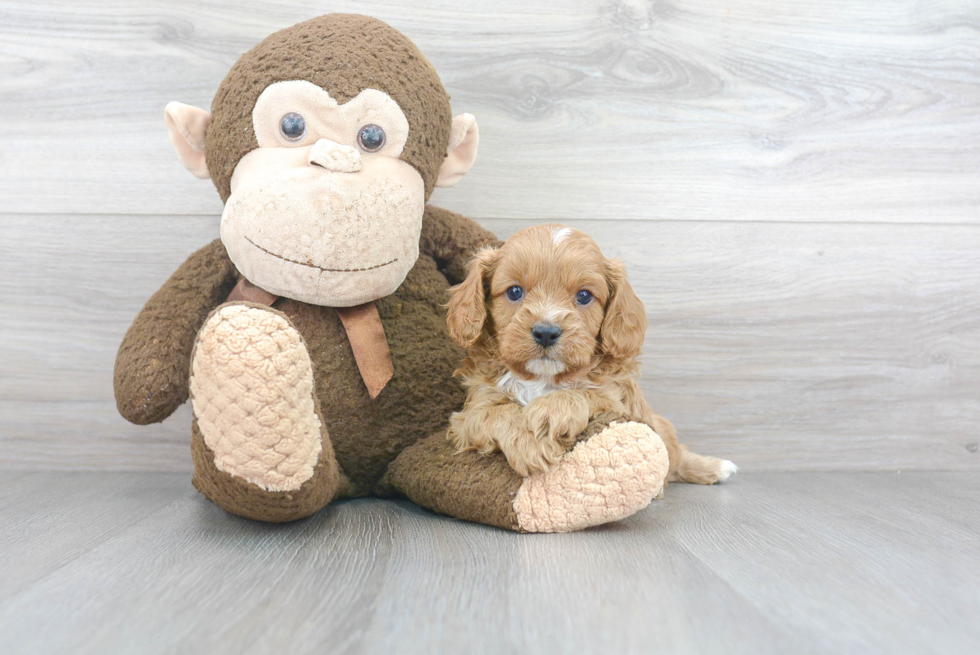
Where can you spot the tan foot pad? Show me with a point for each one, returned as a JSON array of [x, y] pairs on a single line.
[[252, 393], [610, 476]]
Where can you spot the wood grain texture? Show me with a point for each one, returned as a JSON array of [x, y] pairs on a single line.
[[589, 109], [769, 563], [779, 346], [50, 520]]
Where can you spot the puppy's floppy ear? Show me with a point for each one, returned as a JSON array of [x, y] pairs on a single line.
[[625, 323], [468, 299]]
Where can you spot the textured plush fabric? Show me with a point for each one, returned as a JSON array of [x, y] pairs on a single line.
[[343, 54], [606, 477], [153, 363], [465, 485], [240, 497], [187, 126], [153, 366], [451, 240], [336, 240], [324, 117], [614, 470], [252, 393], [367, 434]]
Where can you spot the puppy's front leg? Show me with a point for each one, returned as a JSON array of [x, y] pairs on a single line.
[[555, 420], [558, 417], [492, 421], [487, 417], [562, 415]]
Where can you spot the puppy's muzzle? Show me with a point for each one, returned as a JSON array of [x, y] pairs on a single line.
[[545, 334]]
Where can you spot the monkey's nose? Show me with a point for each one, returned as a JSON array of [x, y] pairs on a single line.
[[335, 157], [546, 334]]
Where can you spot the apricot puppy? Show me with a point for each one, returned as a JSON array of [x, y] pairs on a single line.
[[554, 331]]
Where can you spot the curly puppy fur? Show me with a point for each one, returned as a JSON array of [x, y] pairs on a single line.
[[530, 392]]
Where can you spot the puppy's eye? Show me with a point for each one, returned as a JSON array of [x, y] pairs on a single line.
[[583, 297], [371, 138], [292, 126], [515, 293]]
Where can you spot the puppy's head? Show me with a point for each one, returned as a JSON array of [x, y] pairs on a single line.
[[550, 302]]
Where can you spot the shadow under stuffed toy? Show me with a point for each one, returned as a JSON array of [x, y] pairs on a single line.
[[311, 337]]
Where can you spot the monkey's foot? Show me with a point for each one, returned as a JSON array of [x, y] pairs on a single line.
[[615, 470], [260, 447]]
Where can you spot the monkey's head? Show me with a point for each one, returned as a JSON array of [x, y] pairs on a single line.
[[325, 141]]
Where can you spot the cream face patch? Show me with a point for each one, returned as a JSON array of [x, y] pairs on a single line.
[[324, 118], [324, 211], [326, 238]]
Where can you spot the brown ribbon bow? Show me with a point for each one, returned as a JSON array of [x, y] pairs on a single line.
[[364, 331]]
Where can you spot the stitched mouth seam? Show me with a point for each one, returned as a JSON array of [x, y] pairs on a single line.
[[328, 270]]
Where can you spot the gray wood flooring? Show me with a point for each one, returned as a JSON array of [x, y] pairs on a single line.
[[768, 563]]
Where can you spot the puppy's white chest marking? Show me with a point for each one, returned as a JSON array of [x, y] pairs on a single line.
[[524, 391]]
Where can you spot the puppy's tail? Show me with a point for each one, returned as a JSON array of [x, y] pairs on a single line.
[[686, 466], [701, 469]]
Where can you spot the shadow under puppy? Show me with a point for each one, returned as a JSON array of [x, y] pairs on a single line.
[[554, 331]]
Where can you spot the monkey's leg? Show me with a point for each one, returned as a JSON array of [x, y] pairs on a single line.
[[260, 447], [615, 469]]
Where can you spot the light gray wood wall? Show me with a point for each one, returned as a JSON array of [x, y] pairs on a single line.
[[793, 186]]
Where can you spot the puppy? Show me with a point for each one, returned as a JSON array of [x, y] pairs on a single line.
[[554, 331]]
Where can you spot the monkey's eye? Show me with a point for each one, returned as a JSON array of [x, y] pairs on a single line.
[[293, 126], [371, 138], [583, 297], [515, 293]]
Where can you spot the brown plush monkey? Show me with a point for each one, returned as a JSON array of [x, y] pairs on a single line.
[[311, 338]]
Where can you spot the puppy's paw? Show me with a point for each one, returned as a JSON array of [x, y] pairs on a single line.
[[725, 469], [559, 417], [527, 454]]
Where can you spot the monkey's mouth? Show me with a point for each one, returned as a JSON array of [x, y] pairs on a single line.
[[311, 265]]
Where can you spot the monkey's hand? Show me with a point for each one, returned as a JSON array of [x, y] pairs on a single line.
[[153, 364], [451, 239]]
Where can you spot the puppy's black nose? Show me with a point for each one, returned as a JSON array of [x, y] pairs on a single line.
[[546, 334]]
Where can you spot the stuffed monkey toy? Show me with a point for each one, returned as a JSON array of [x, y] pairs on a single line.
[[311, 337]]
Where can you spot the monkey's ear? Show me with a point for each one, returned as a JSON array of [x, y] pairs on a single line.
[[464, 137], [187, 126], [468, 300]]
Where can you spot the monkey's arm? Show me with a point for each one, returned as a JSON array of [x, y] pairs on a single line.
[[153, 363], [451, 239]]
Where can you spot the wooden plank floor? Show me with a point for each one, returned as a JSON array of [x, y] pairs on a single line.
[[769, 563]]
